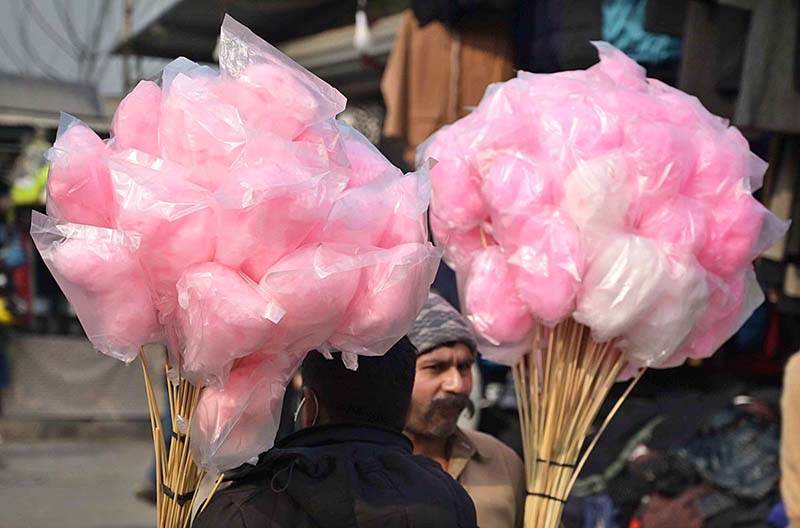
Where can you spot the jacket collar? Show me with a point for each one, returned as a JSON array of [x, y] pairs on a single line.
[[322, 435], [462, 450]]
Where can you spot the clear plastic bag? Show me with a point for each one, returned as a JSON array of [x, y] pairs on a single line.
[[99, 273], [78, 186], [173, 217], [314, 284], [272, 88], [221, 316], [238, 421], [393, 289]]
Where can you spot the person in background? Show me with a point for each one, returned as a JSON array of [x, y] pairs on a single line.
[[349, 463], [491, 472], [790, 441]]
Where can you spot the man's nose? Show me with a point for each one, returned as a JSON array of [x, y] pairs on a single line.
[[454, 381]]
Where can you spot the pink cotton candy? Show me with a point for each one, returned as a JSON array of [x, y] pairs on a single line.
[[269, 214], [730, 304], [172, 216], [384, 213], [266, 93], [236, 422], [547, 264], [721, 168], [656, 191], [273, 91], [456, 194], [514, 184], [314, 285], [660, 160], [680, 222], [491, 302], [78, 188], [99, 273], [392, 291], [366, 161], [459, 246], [200, 130], [733, 229], [221, 316], [135, 123]]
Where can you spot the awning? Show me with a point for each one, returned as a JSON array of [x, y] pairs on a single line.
[[30, 102]]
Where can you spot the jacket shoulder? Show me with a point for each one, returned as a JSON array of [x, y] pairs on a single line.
[[492, 447]]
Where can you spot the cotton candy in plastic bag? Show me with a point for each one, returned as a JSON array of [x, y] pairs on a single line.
[[314, 285], [384, 213], [393, 290], [662, 328], [269, 215], [547, 264], [221, 316], [270, 87], [173, 216], [236, 422], [366, 161], [135, 123], [78, 187], [624, 280], [199, 130], [99, 273], [491, 302]]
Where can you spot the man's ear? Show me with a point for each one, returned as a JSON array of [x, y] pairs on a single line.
[[310, 411]]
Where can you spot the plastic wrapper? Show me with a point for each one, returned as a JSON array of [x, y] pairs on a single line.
[[513, 184], [366, 161], [385, 213], [459, 246], [680, 222], [270, 87], [221, 316], [662, 329], [269, 214], [393, 290], [135, 123], [101, 277], [239, 420], [172, 216], [491, 301], [657, 223], [314, 285], [547, 264], [199, 130], [624, 280], [730, 304], [78, 187], [456, 194]]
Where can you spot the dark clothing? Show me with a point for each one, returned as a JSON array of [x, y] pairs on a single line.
[[341, 476]]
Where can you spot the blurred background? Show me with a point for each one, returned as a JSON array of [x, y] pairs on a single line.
[[74, 436]]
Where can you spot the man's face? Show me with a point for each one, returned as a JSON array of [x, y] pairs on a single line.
[[442, 386]]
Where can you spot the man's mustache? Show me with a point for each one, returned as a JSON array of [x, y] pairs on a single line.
[[455, 402]]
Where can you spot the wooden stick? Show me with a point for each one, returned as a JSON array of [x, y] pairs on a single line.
[[213, 491], [602, 428]]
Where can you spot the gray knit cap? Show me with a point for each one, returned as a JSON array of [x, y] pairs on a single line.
[[439, 323]]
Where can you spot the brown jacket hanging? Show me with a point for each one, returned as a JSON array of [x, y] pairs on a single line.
[[435, 74]]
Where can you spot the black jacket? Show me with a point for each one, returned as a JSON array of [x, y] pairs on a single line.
[[341, 476]]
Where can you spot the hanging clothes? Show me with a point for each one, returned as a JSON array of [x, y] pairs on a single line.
[[768, 98], [435, 74]]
